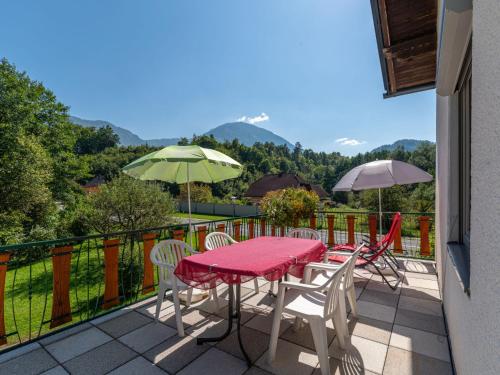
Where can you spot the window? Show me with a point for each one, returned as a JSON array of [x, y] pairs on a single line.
[[464, 107]]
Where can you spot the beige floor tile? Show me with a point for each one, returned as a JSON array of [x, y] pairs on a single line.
[[209, 306], [420, 283], [290, 359], [382, 298], [421, 342], [429, 294], [371, 329], [215, 361], [33, 362], [382, 287], [167, 307], [420, 267], [147, 336], [213, 326], [254, 342], [124, 323], [59, 370], [264, 323], [175, 353], [247, 313], [303, 336], [338, 367], [138, 366], [256, 371], [418, 275], [361, 353], [424, 322], [100, 360], [403, 362], [77, 344], [423, 306], [190, 316], [376, 311], [260, 300]]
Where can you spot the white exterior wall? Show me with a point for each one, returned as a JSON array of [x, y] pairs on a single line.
[[474, 322]]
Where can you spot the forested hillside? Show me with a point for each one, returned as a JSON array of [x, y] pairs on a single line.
[[44, 160]]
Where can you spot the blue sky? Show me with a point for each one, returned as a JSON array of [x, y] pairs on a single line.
[[307, 70]]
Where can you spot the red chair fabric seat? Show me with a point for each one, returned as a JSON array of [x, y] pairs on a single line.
[[360, 262]]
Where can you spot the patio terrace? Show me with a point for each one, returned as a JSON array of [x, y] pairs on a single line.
[[397, 332]]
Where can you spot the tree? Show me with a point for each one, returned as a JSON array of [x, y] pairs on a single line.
[[127, 204], [199, 193], [287, 206], [94, 141]]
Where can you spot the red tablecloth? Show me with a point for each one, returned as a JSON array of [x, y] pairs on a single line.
[[270, 257]]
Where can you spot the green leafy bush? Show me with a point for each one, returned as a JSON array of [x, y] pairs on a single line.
[[287, 206], [127, 204]]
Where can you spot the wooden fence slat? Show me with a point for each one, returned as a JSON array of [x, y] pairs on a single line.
[[282, 231], [398, 247], [221, 227], [350, 229], [111, 250], [331, 235], [4, 258], [425, 246], [372, 225], [273, 230], [148, 278], [262, 227], [251, 228], [61, 266], [312, 222], [179, 234], [237, 230], [202, 234]]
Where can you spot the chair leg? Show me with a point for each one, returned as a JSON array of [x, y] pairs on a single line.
[[339, 328], [159, 300], [318, 330], [343, 315], [256, 285], [271, 289], [214, 295], [178, 314], [351, 296], [189, 297], [273, 341]]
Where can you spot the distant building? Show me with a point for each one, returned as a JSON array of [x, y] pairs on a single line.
[[94, 185], [272, 182]]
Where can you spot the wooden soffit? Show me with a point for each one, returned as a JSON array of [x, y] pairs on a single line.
[[407, 42]]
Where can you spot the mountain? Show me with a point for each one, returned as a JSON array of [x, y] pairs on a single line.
[[407, 144], [247, 134], [127, 138]]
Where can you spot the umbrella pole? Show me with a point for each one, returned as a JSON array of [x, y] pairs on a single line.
[[189, 207], [380, 212]]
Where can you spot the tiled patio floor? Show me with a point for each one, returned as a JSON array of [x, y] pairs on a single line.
[[397, 332]]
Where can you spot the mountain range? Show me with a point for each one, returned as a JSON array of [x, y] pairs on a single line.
[[406, 144], [247, 134]]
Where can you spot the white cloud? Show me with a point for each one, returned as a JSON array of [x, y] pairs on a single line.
[[254, 120], [349, 142]]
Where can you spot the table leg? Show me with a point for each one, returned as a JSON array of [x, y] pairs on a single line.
[[238, 324], [230, 316]]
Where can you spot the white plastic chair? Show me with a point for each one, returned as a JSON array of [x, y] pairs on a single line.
[[309, 302], [215, 240], [347, 287], [166, 255], [306, 233]]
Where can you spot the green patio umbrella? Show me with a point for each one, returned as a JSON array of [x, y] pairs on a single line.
[[183, 165]]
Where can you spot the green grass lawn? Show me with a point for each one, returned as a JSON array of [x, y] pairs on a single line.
[[201, 216]]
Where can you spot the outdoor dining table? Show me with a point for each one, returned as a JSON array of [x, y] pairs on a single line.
[[268, 257]]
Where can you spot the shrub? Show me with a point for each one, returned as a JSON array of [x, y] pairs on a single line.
[[127, 204], [286, 207]]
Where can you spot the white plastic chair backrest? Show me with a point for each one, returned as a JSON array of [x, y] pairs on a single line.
[[215, 240], [349, 273], [332, 294], [306, 233], [169, 252]]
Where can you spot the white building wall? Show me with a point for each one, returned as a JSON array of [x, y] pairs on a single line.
[[474, 322]]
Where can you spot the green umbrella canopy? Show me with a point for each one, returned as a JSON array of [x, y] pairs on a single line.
[[181, 164]]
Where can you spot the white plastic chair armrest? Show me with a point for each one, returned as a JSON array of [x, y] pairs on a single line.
[[322, 266], [349, 253], [299, 286]]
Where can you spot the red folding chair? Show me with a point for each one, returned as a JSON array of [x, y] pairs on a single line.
[[371, 254]]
